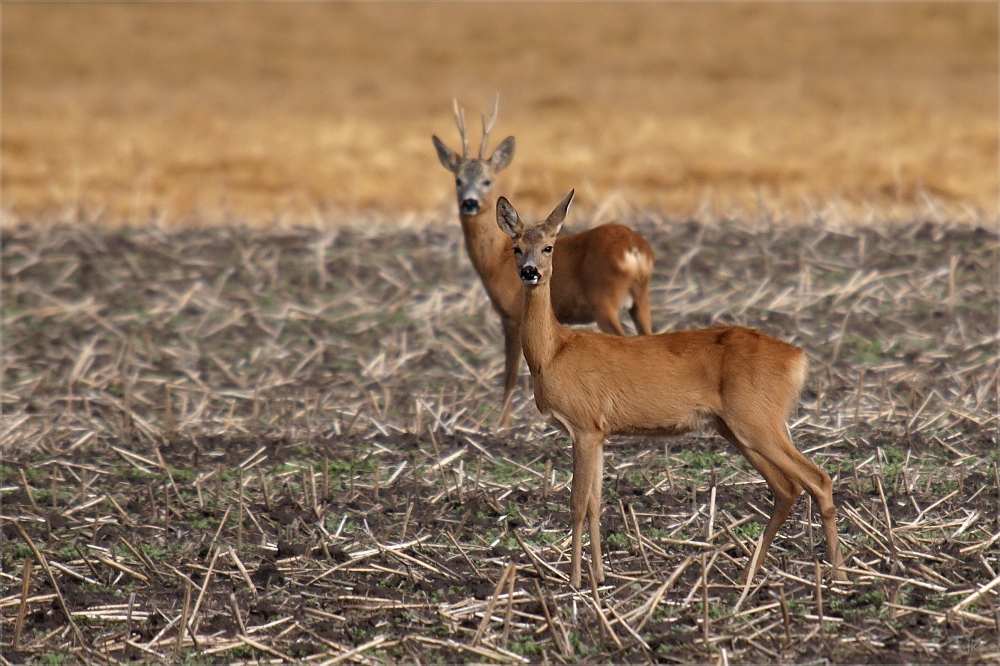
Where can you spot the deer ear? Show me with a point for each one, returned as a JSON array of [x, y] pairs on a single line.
[[449, 158], [553, 223], [507, 218], [504, 153]]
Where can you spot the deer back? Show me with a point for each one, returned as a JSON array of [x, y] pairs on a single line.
[[668, 383], [586, 264]]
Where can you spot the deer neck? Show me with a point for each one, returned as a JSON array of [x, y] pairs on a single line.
[[490, 251], [540, 332]]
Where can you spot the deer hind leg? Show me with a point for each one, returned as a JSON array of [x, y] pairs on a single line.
[[640, 309], [586, 449], [606, 301], [609, 321], [773, 444], [512, 368], [785, 493], [818, 484]]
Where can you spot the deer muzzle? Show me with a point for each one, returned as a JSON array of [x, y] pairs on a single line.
[[530, 275], [469, 206]]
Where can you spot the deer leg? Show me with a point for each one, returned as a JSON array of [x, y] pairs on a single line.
[[774, 446], [640, 310], [586, 449], [785, 493], [606, 307], [594, 511], [818, 484], [512, 367]]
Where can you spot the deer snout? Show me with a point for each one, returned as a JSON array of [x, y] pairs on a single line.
[[529, 275], [470, 206]]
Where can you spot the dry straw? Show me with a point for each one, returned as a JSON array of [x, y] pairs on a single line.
[[146, 373]]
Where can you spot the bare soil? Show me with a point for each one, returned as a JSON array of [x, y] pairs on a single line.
[[285, 442]]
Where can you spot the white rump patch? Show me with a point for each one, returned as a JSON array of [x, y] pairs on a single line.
[[631, 262], [801, 371], [636, 262]]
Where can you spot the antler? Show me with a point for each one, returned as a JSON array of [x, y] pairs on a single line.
[[460, 121], [488, 126]]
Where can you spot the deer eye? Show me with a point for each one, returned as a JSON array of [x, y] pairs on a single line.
[[487, 183], [547, 249], [517, 251], [458, 181]]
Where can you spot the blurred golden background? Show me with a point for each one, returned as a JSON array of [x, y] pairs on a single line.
[[247, 112]]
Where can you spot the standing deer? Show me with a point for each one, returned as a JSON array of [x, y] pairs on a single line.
[[597, 273], [738, 379]]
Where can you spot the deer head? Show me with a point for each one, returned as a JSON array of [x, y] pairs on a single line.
[[474, 177], [533, 245]]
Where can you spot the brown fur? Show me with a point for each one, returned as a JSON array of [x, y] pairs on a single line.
[[738, 379], [597, 272]]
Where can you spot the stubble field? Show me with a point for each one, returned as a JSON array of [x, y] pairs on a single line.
[[285, 442]]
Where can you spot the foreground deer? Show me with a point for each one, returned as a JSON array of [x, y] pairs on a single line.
[[738, 379], [596, 274]]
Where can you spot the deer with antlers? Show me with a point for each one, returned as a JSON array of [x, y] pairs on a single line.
[[598, 272], [738, 379]]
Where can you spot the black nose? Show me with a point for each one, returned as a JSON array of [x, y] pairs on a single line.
[[470, 206], [530, 274]]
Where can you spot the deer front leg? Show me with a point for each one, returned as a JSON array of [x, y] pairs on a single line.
[[586, 451], [512, 368], [594, 510]]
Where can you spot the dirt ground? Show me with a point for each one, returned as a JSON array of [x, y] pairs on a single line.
[[200, 113], [285, 444]]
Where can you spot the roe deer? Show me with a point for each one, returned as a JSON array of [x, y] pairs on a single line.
[[596, 274], [738, 379]]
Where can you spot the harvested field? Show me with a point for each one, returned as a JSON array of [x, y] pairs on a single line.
[[237, 445], [210, 112]]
